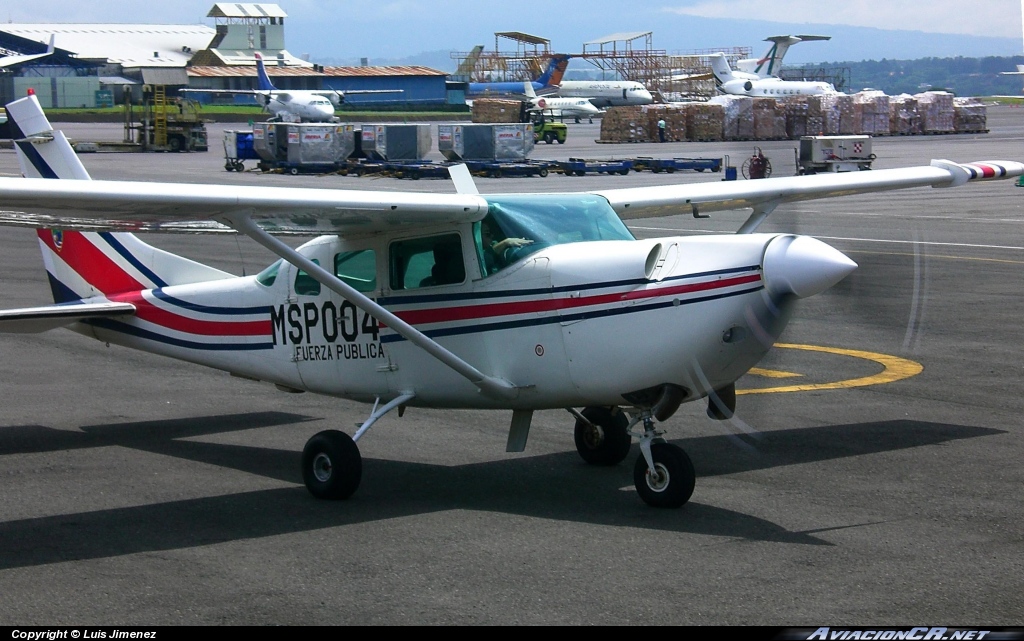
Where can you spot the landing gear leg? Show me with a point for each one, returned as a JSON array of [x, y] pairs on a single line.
[[663, 475]]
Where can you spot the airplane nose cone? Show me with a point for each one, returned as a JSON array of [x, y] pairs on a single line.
[[803, 266]]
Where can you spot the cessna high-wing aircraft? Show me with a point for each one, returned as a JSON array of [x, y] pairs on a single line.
[[292, 104], [747, 84], [10, 61], [508, 302]]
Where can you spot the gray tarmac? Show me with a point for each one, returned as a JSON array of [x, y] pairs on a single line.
[[140, 490]]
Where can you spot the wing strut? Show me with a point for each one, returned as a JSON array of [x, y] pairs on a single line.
[[489, 385], [757, 217]]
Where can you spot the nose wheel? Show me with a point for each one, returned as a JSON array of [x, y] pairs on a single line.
[[663, 475], [331, 465], [669, 481]]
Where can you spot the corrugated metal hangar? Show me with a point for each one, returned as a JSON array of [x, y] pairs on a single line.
[[93, 64]]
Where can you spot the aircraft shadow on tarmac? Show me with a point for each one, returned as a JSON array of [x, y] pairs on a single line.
[[553, 486]]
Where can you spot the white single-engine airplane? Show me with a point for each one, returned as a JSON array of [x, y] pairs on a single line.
[[512, 302], [297, 105]]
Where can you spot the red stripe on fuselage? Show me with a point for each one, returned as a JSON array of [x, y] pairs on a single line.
[[147, 311], [448, 314]]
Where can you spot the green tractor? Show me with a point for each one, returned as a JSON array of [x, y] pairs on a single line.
[[545, 128]]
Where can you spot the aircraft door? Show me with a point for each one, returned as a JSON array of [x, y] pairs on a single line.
[[336, 345]]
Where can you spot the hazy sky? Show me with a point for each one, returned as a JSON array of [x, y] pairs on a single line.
[[335, 28]]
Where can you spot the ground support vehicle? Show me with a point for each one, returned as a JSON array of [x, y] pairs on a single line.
[[164, 124], [582, 166], [238, 148], [670, 165], [546, 129], [818, 154]]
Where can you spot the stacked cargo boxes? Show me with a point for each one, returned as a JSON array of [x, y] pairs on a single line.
[[675, 121], [840, 116], [969, 116], [796, 113], [936, 109], [904, 119], [737, 117], [704, 122], [873, 112], [769, 122], [624, 124], [497, 110]]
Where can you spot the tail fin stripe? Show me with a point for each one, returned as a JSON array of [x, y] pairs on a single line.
[[135, 262], [34, 157], [93, 265]]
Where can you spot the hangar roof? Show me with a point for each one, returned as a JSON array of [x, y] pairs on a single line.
[[334, 72], [130, 45], [245, 10]]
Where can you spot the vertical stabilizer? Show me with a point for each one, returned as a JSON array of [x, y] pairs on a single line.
[[87, 264], [552, 76], [263, 80]]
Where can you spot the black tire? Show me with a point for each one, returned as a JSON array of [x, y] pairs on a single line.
[[174, 143], [549, 138], [229, 167], [239, 166], [624, 172], [294, 171], [606, 445], [561, 141], [543, 173], [672, 487], [331, 465]]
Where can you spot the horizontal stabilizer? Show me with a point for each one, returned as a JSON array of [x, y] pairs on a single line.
[[32, 320]]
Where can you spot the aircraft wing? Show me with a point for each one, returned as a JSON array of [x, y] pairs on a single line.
[[763, 196], [31, 320], [95, 205]]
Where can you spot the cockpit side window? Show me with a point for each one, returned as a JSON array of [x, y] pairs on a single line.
[[426, 262], [357, 269], [306, 285]]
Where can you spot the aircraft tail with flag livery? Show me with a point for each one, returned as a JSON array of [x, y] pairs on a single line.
[[86, 265]]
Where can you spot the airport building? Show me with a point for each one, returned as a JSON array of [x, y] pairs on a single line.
[[94, 64]]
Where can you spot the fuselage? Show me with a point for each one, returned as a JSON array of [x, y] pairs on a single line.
[[570, 324], [606, 93], [306, 106]]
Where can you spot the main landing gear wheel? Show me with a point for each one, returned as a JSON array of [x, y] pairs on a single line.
[[670, 483], [605, 441], [331, 465]]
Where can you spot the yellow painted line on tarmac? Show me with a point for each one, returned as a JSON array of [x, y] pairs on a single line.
[[772, 373], [894, 369]]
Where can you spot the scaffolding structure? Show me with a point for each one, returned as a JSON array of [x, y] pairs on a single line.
[[525, 63]]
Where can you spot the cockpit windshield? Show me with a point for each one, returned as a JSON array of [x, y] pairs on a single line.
[[517, 226]]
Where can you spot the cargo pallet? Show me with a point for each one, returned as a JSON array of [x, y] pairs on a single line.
[[670, 165], [582, 167], [498, 169], [295, 169]]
